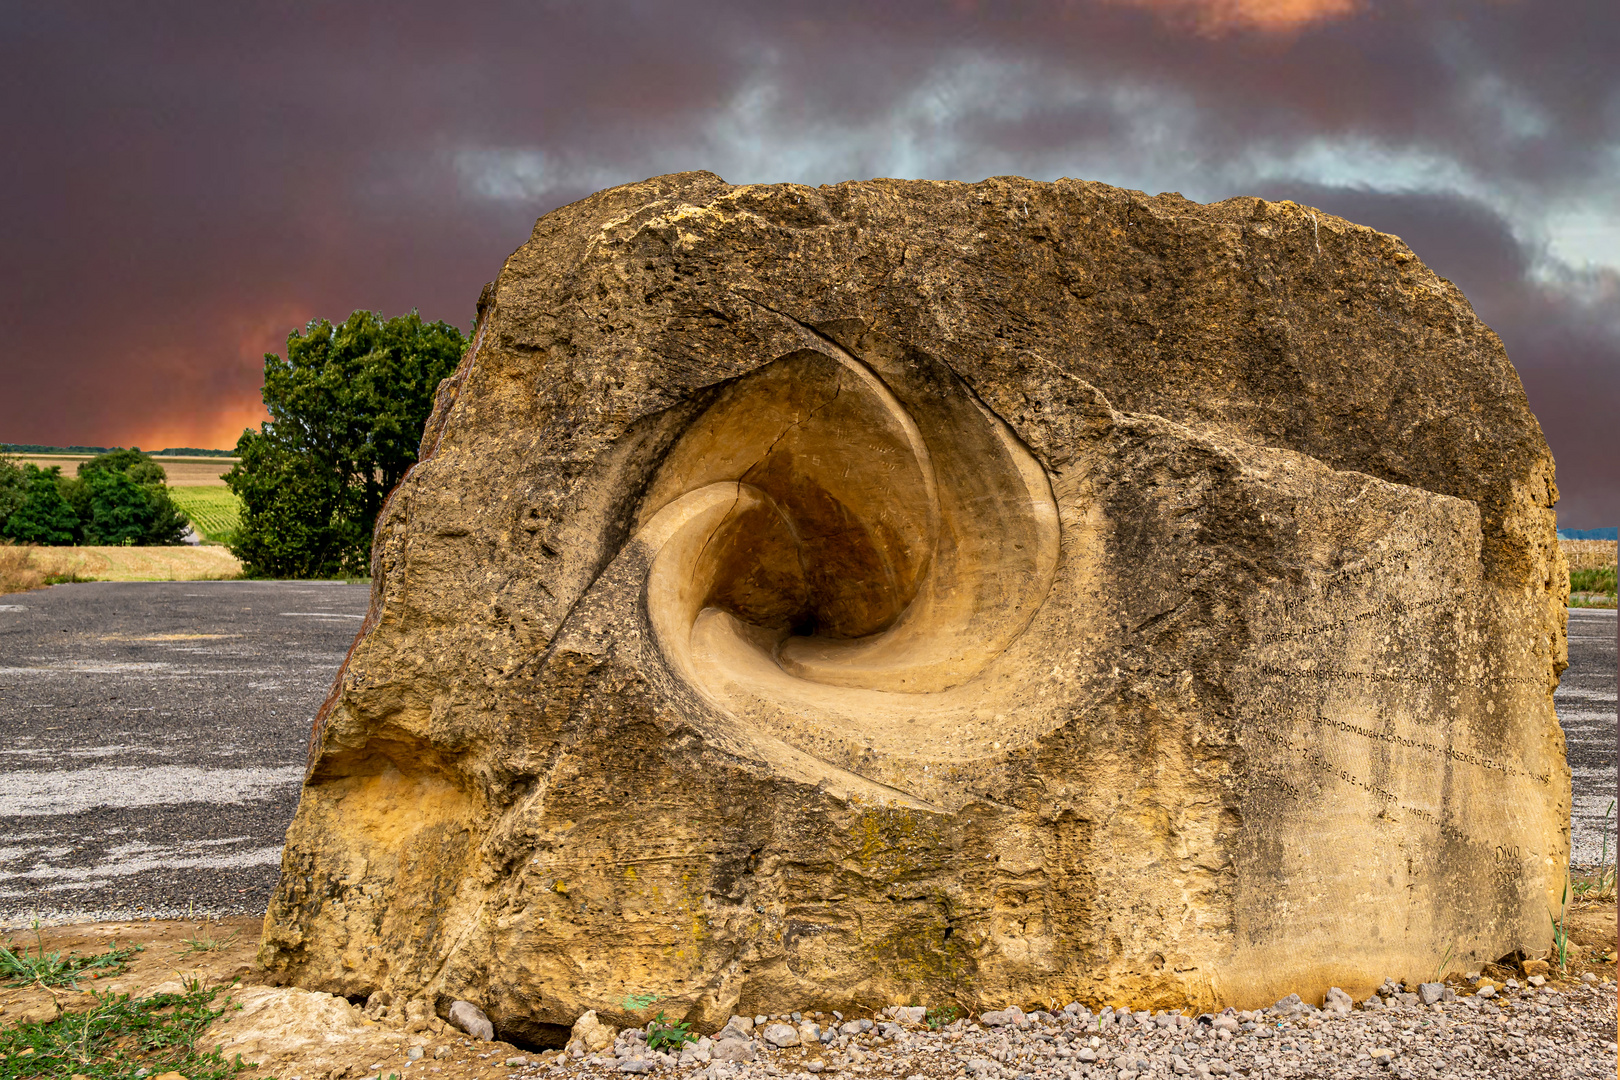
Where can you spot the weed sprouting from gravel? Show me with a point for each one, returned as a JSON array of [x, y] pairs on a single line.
[[202, 943], [19, 967], [664, 1035], [1599, 884], [120, 1035]]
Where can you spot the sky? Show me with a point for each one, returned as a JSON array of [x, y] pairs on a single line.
[[185, 184]]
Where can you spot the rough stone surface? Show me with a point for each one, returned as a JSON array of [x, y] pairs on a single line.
[[923, 591]]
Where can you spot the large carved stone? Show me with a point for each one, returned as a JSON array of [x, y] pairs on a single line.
[[1007, 592]]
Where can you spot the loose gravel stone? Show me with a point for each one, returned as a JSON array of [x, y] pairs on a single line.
[[1567, 1030]]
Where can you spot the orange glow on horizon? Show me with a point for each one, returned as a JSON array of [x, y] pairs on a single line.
[[1216, 16], [215, 432]]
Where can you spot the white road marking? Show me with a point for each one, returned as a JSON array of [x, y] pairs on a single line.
[[174, 858], [36, 794]]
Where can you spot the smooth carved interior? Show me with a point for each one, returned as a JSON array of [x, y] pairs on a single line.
[[836, 549]]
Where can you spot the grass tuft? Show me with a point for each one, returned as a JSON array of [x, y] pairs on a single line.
[[1599, 883], [200, 943], [120, 1038], [19, 967]]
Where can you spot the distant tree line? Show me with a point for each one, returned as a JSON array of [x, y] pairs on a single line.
[[118, 497], [347, 406], [171, 451]]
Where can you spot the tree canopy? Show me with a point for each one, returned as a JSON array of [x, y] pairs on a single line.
[[43, 515], [347, 406]]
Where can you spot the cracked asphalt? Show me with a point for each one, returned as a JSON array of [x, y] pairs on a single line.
[[1585, 700], [152, 739]]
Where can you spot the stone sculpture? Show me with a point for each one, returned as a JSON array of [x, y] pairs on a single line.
[[993, 593]]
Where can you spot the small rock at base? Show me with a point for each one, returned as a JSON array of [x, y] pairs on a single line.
[[514, 1062], [591, 1033], [911, 1014], [1429, 993], [1289, 1004], [636, 1065], [733, 1050], [471, 1019], [1011, 1016], [1537, 980], [414, 1054], [780, 1035], [1337, 1001], [1486, 991]]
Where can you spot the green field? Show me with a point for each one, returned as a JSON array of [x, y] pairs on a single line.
[[213, 510]]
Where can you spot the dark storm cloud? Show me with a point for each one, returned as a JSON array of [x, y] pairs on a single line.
[[188, 183]]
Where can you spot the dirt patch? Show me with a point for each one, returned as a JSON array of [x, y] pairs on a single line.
[[1591, 929], [287, 1031]]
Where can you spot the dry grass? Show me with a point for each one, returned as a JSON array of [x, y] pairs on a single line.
[[1588, 554], [18, 572], [25, 567]]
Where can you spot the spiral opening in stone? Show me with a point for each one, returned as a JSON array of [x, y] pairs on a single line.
[[819, 522]]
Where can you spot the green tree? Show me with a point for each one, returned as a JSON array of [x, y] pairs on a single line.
[[121, 497], [44, 516], [294, 521], [132, 463], [124, 512], [13, 489], [347, 407]]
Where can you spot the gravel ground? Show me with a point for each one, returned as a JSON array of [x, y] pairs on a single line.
[[1585, 699], [1568, 1031], [152, 738]]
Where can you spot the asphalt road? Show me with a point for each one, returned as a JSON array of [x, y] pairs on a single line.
[[1585, 699], [152, 739]]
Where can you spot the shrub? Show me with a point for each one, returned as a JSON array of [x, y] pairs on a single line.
[[1594, 580], [123, 511], [44, 515]]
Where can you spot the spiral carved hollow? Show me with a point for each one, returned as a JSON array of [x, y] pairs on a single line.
[[837, 558]]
